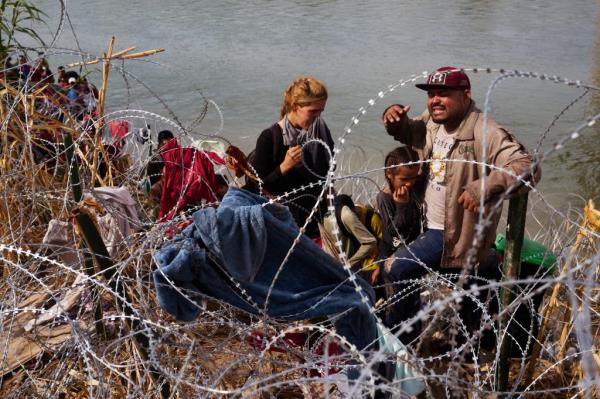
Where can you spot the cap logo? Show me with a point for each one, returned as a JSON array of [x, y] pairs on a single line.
[[446, 77], [438, 78]]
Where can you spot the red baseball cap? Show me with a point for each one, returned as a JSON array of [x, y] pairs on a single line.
[[446, 77]]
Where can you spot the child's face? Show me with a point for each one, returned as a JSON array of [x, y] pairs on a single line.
[[403, 176]]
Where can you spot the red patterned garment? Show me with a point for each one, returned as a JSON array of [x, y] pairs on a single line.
[[188, 179]]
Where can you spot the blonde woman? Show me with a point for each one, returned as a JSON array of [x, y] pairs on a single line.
[[287, 158]]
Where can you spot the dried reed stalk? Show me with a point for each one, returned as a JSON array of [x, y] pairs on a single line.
[[591, 222]]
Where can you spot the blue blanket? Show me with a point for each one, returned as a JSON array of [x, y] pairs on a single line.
[[233, 253]]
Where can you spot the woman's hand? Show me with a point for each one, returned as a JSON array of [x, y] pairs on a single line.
[[293, 157], [237, 162], [233, 166], [401, 195]]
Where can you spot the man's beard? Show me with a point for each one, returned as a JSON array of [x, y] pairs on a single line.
[[450, 119]]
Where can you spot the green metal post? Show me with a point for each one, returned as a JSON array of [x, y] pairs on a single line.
[[517, 210]]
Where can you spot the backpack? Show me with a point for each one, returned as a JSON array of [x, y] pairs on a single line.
[[369, 218]]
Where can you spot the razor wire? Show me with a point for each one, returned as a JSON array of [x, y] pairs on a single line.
[[215, 355]]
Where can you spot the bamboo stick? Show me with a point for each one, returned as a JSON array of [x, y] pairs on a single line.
[[101, 101], [141, 54], [123, 52], [40, 90], [83, 63], [564, 335], [567, 327], [105, 73]]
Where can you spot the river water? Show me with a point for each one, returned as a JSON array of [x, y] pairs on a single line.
[[242, 55]]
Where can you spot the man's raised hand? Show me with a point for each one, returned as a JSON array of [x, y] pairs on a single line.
[[395, 113]]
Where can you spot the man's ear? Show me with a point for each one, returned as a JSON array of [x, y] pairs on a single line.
[[468, 93]]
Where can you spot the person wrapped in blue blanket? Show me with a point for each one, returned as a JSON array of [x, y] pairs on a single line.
[[245, 241]]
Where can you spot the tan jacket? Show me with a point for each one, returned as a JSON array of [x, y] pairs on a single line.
[[503, 151]]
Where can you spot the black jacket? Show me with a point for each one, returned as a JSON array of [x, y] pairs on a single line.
[[270, 153]]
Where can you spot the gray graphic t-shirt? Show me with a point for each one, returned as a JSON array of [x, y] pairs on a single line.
[[435, 194]]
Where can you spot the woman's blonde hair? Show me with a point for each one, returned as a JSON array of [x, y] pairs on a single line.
[[303, 91]]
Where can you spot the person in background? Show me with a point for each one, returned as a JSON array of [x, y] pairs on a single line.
[[62, 78], [47, 76], [41, 70], [73, 97], [286, 159], [154, 170], [87, 97], [454, 138], [72, 90]]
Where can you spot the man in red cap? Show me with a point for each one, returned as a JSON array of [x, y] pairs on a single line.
[[452, 139]]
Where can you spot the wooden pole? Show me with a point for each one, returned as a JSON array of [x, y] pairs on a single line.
[[517, 211]]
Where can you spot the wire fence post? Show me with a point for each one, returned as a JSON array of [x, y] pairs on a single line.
[[517, 211]]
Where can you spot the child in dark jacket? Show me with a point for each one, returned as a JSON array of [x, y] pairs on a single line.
[[398, 203]]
